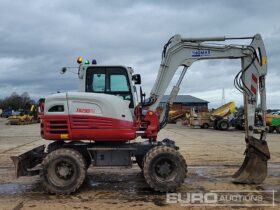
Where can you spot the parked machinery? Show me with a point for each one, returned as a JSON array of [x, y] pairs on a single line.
[[273, 123], [25, 117], [238, 120], [222, 117], [176, 116], [219, 118], [7, 113]]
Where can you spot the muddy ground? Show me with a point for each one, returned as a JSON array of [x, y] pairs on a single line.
[[212, 157]]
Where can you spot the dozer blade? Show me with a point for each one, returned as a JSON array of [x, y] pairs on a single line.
[[254, 167], [25, 164]]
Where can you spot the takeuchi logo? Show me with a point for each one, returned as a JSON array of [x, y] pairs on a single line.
[[85, 110], [200, 53]]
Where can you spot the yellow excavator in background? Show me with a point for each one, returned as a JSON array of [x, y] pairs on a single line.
[[25, 117], [219, 118]]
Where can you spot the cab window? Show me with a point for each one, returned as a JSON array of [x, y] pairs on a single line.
[[98, 82], [118, 83], [109, 80]]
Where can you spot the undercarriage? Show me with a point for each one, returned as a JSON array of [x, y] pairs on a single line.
[[62, 166]]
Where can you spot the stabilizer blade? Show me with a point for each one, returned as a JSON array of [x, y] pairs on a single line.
[[25, 162]]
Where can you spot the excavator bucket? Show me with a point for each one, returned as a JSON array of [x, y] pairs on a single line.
[[254, 167]]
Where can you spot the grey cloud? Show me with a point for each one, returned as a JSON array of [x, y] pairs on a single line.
[[39, 37]]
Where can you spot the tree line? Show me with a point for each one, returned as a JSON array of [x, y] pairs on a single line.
[[17, 102]]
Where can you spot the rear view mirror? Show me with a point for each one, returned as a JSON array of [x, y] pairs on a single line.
[[63, 70], [137, 79]]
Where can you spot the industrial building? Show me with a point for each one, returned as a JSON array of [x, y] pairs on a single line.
[[184, 103]]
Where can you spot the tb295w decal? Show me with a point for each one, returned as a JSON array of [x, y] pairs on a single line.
[[200, 53], [85, 110]]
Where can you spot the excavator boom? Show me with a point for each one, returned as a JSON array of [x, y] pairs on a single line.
[[250, 80]]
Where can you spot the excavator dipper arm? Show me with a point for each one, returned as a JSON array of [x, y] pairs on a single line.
[[250, 80]]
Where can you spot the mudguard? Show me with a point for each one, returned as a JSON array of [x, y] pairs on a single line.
[[25, 164]]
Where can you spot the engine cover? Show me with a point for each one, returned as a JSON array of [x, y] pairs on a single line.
[[87, 116]]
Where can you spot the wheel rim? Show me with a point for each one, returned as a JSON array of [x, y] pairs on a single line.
[[164, 169], [62, 173], [64, 170], [223, 125]]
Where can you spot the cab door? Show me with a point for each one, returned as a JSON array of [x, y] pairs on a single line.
[[110, 80]]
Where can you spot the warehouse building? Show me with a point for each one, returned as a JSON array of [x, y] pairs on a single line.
[[184, 103]]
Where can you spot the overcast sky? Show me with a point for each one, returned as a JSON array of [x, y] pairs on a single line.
[[38, 37]]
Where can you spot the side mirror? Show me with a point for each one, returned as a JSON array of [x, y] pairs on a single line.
[[137, 79], [63, 70]]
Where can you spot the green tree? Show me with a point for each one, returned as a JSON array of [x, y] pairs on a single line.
[[17, 102]]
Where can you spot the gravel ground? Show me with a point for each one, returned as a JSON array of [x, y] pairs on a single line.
[[212, 157]]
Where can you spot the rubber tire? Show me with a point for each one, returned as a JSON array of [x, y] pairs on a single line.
[[215, 124], [277, 129], [61, 144], [223, 122], [181, 169], [80, 168], [139, 161], [205, 126]]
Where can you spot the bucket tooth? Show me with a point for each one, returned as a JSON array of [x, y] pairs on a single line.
[[254, 167]]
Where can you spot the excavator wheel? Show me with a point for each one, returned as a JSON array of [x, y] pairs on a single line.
[[64, 171], [164, 169], [254, 167], [61, 144]]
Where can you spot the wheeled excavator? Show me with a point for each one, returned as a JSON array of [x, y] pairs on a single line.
[[98, 125]]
